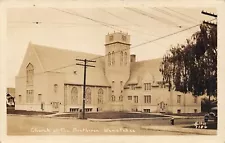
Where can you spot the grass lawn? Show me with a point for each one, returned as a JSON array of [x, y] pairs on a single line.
[[24, 112], [112, 115], [187, 114]]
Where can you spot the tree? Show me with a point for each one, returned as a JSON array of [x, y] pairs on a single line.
[[192, 67]]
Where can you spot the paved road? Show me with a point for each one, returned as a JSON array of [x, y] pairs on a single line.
[[20, 125]]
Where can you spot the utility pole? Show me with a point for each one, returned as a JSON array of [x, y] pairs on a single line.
[[85, 65], [209, 74], [209, 14]]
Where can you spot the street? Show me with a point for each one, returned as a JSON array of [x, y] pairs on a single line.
[[21, 125]]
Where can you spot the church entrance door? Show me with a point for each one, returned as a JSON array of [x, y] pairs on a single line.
[[55, 106], [162, 107]]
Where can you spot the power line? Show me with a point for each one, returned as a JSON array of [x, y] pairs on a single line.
[[160, 18], [182, 14], [88, 18], [138, 45], [150, 41], [59, 23], [112, 26], [152, 16], [172, 15], [118, 17]]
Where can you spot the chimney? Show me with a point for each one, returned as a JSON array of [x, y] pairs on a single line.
[[132, 58]]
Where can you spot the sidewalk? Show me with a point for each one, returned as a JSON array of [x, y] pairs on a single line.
[[181, 129], [109, 120]]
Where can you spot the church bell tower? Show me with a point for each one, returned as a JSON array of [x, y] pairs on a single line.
[[117, 63]]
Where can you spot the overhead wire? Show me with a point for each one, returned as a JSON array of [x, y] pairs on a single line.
[[187, 16], [172, 15], [138, 45], [156, 18]]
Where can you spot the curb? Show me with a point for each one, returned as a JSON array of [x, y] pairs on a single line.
[[106, 120], [181, 130], [125, 119]]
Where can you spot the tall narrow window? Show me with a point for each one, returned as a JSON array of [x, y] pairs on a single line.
[[125, 58], [113, 98], [39, 98], [100, 96], [74, 96], [109, 58], [178, 98], [195, 99], [121, 85], [30, 74], [147, 86], [135, 99], [20, 98], [55, 88], [147, 98], [121, 58], [121, 98], [124, 37], [30, 96], [113, 58], [111, 38], [113, 84], [88, 96]]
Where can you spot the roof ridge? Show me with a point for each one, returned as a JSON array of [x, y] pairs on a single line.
[[149, 60], [56, 48]]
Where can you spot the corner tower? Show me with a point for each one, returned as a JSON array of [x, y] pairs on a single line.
[[117, 63]]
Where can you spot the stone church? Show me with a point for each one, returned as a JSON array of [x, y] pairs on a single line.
[[49, 80]]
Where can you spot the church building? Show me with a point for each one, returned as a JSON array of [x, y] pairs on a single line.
[[49, 80]]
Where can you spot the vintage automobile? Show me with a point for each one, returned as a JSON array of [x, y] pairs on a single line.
[[213, 114]]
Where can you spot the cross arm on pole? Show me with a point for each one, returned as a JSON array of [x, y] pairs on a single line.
[[90, 61], [80, 59], [80, 64], [209, 23], [90, 66], [210, 14]]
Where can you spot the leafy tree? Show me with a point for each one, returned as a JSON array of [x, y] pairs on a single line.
[[192, 67]]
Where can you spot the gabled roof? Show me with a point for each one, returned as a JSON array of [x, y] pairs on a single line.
[[145, 70], [64, 61]]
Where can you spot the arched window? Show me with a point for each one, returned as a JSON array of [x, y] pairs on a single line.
[[121, 58], [30, 74], [109, 58], [121, 98], [113, 58], [125, 58], [55, 88], [113, 98], [88, 96], [74, 96], [100, 96]]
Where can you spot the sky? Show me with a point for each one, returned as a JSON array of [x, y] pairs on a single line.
[[84, 29]]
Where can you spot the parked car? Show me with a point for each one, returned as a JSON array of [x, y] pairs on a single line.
[[213, 114]]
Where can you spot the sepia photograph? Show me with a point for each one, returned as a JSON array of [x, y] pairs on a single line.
[[122, 70]]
